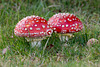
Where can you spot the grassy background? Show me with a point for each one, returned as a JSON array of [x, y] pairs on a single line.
[[76, 54]]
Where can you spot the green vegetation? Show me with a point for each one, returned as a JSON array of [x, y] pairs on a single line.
[[76, 54]]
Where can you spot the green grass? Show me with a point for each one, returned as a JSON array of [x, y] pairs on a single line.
[[76, 54]]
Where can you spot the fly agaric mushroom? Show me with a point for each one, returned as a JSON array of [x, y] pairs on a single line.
[[92, 41], [34, 29], [65, 24]]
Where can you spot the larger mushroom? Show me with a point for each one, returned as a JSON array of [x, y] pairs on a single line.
[[65, 24], [34, 29]]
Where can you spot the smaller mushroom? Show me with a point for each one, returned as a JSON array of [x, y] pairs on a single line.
[[92, 41], [65, 24], [34, 29]]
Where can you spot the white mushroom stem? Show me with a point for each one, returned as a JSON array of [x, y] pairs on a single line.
[[64, 37], [36, 43]]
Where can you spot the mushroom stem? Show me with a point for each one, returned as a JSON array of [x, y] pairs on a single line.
[[64, 37], [36, 43]]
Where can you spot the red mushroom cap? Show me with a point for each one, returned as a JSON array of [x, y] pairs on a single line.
[[32, 26], [65, 23]]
